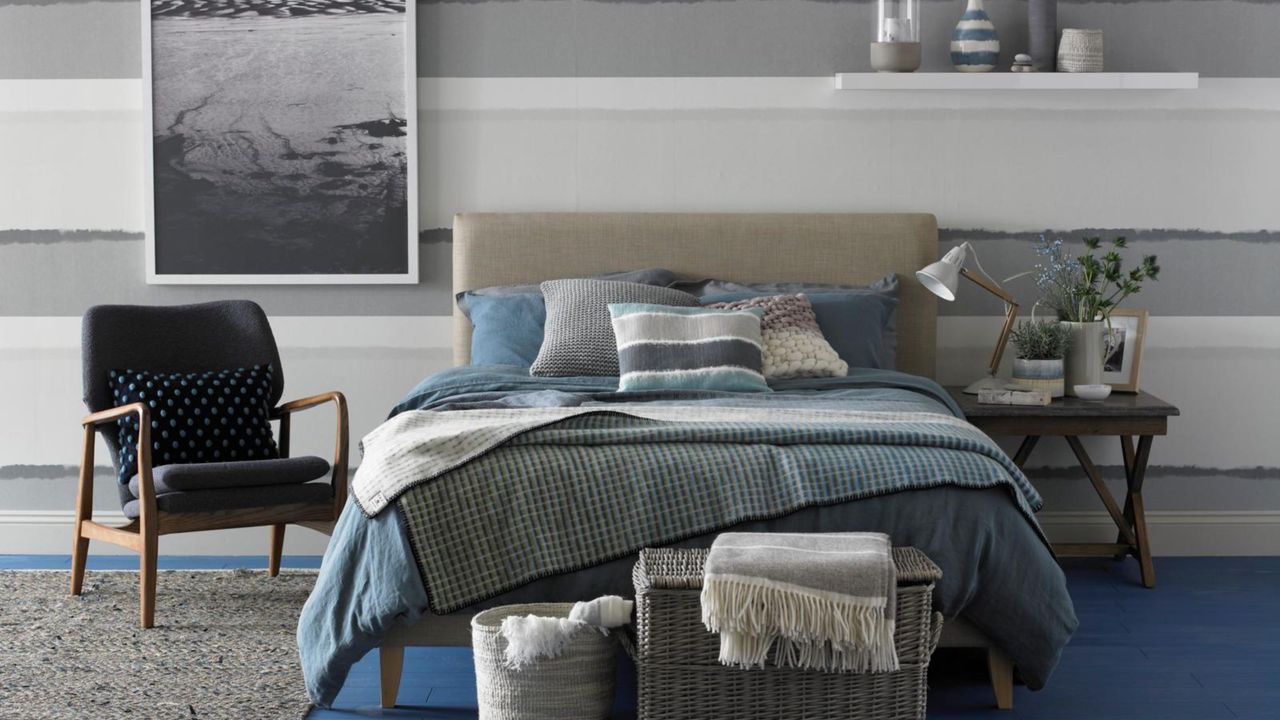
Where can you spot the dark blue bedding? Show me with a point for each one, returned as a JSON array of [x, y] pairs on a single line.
[[997, 570]]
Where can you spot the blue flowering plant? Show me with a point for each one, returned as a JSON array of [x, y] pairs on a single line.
[[1088, 287]]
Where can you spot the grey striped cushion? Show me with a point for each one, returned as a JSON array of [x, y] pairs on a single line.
[[688, 348], [577, 337]]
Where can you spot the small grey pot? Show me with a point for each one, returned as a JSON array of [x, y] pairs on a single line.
[[1040, 375]]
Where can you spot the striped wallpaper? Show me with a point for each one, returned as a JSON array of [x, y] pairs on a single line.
[[720, 105]]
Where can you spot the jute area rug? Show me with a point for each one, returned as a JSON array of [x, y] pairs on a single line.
[[223, 646]]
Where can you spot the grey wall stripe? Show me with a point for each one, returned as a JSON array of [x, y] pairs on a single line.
[[1109, 472], [52, 487], [436, 236], [91, 271], [946, 235], [1116, 472], [48, 472], [1205, 275], [752, 38], [48, 237], [64, 278], [565, 38], [1133, 234], [70, 40]]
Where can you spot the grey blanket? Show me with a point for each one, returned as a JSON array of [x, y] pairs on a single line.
[[825, 601]]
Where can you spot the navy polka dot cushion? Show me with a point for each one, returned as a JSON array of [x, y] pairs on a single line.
[[216, 416]]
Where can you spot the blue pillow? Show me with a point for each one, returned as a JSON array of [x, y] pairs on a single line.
[[845, 321], [858, 324], [507, 321], [199, 417], [507, 328]]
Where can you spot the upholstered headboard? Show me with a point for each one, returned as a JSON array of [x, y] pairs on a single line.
[[491, 249]]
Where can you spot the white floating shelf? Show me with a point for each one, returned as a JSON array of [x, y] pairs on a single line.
[[1017, 81]]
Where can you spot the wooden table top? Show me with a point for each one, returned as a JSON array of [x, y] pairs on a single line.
[[1141, 404]]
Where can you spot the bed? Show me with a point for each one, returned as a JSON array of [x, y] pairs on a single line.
[[983, 535]]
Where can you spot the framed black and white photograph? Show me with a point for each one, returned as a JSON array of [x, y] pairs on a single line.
[[282, 141], [1123, 362]]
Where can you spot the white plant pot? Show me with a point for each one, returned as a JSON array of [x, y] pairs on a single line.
[[1084, 359], [1040, 375]]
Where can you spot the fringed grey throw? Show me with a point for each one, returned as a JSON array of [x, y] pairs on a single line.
[[826, 601]]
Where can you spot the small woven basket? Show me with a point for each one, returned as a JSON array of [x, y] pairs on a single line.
[[578, 685], [680, 675]]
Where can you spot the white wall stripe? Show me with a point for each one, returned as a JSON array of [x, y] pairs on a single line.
[[810, 158], [434, 332], [96, 95], [689, 93], [1220, 371]]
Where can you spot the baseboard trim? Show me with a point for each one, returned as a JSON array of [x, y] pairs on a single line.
[[1173, 532], [48, 532], [1177, 532]]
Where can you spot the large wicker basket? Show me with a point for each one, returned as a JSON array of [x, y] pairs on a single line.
[[680, 676], [578, 685]]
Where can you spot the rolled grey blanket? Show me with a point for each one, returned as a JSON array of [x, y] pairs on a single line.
[[825, 599]]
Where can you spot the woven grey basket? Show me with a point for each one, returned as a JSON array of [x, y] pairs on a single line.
[[578, 685], [680, 675]]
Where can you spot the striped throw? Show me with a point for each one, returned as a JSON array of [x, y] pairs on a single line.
[[664, 347]]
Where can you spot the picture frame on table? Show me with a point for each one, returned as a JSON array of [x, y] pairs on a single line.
[[1127, 333]]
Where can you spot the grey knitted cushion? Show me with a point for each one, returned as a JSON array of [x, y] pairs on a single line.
[[578, 335]]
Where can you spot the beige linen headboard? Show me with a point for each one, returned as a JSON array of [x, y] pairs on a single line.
[[492, 249]]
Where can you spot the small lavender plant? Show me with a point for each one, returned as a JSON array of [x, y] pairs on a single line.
[[1038, 340]]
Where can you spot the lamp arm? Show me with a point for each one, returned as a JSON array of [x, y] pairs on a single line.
[[1010, 315]]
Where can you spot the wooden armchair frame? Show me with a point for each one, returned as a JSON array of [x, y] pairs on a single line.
[[142, 535]]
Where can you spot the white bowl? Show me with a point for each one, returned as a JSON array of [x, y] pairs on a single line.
[[1092, 392]]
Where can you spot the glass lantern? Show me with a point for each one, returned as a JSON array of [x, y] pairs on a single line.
[[897, 45]]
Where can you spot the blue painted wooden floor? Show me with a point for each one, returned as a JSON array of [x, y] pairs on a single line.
[[1204, 644]]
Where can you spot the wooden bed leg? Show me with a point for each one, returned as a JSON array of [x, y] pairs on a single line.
[[1001, 669], [390, 665]]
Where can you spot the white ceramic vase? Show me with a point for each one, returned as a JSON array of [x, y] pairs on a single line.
[[1084, 358]]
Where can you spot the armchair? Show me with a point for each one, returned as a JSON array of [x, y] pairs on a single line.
[[211, 496]]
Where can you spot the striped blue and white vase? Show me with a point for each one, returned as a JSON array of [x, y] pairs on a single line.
[[975, 46]]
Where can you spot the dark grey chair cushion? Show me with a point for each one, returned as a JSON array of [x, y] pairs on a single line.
[[235, 498], [244, 473], [176, 338]]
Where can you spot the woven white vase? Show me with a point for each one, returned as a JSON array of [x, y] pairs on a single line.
[[1080, 51]]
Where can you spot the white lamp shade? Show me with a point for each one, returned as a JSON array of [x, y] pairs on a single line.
[[942, 278]]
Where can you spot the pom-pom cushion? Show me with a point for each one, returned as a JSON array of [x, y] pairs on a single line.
[[662, 347], [577, 337], [793, 343], [200, 417]]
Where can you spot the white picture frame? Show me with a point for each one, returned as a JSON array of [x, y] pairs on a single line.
[[1122, 366], [410, 274]]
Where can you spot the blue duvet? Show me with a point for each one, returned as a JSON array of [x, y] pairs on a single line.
[[998, 572]]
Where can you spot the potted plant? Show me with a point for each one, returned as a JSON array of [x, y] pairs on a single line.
[[1083, 291], [1041, 347]]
